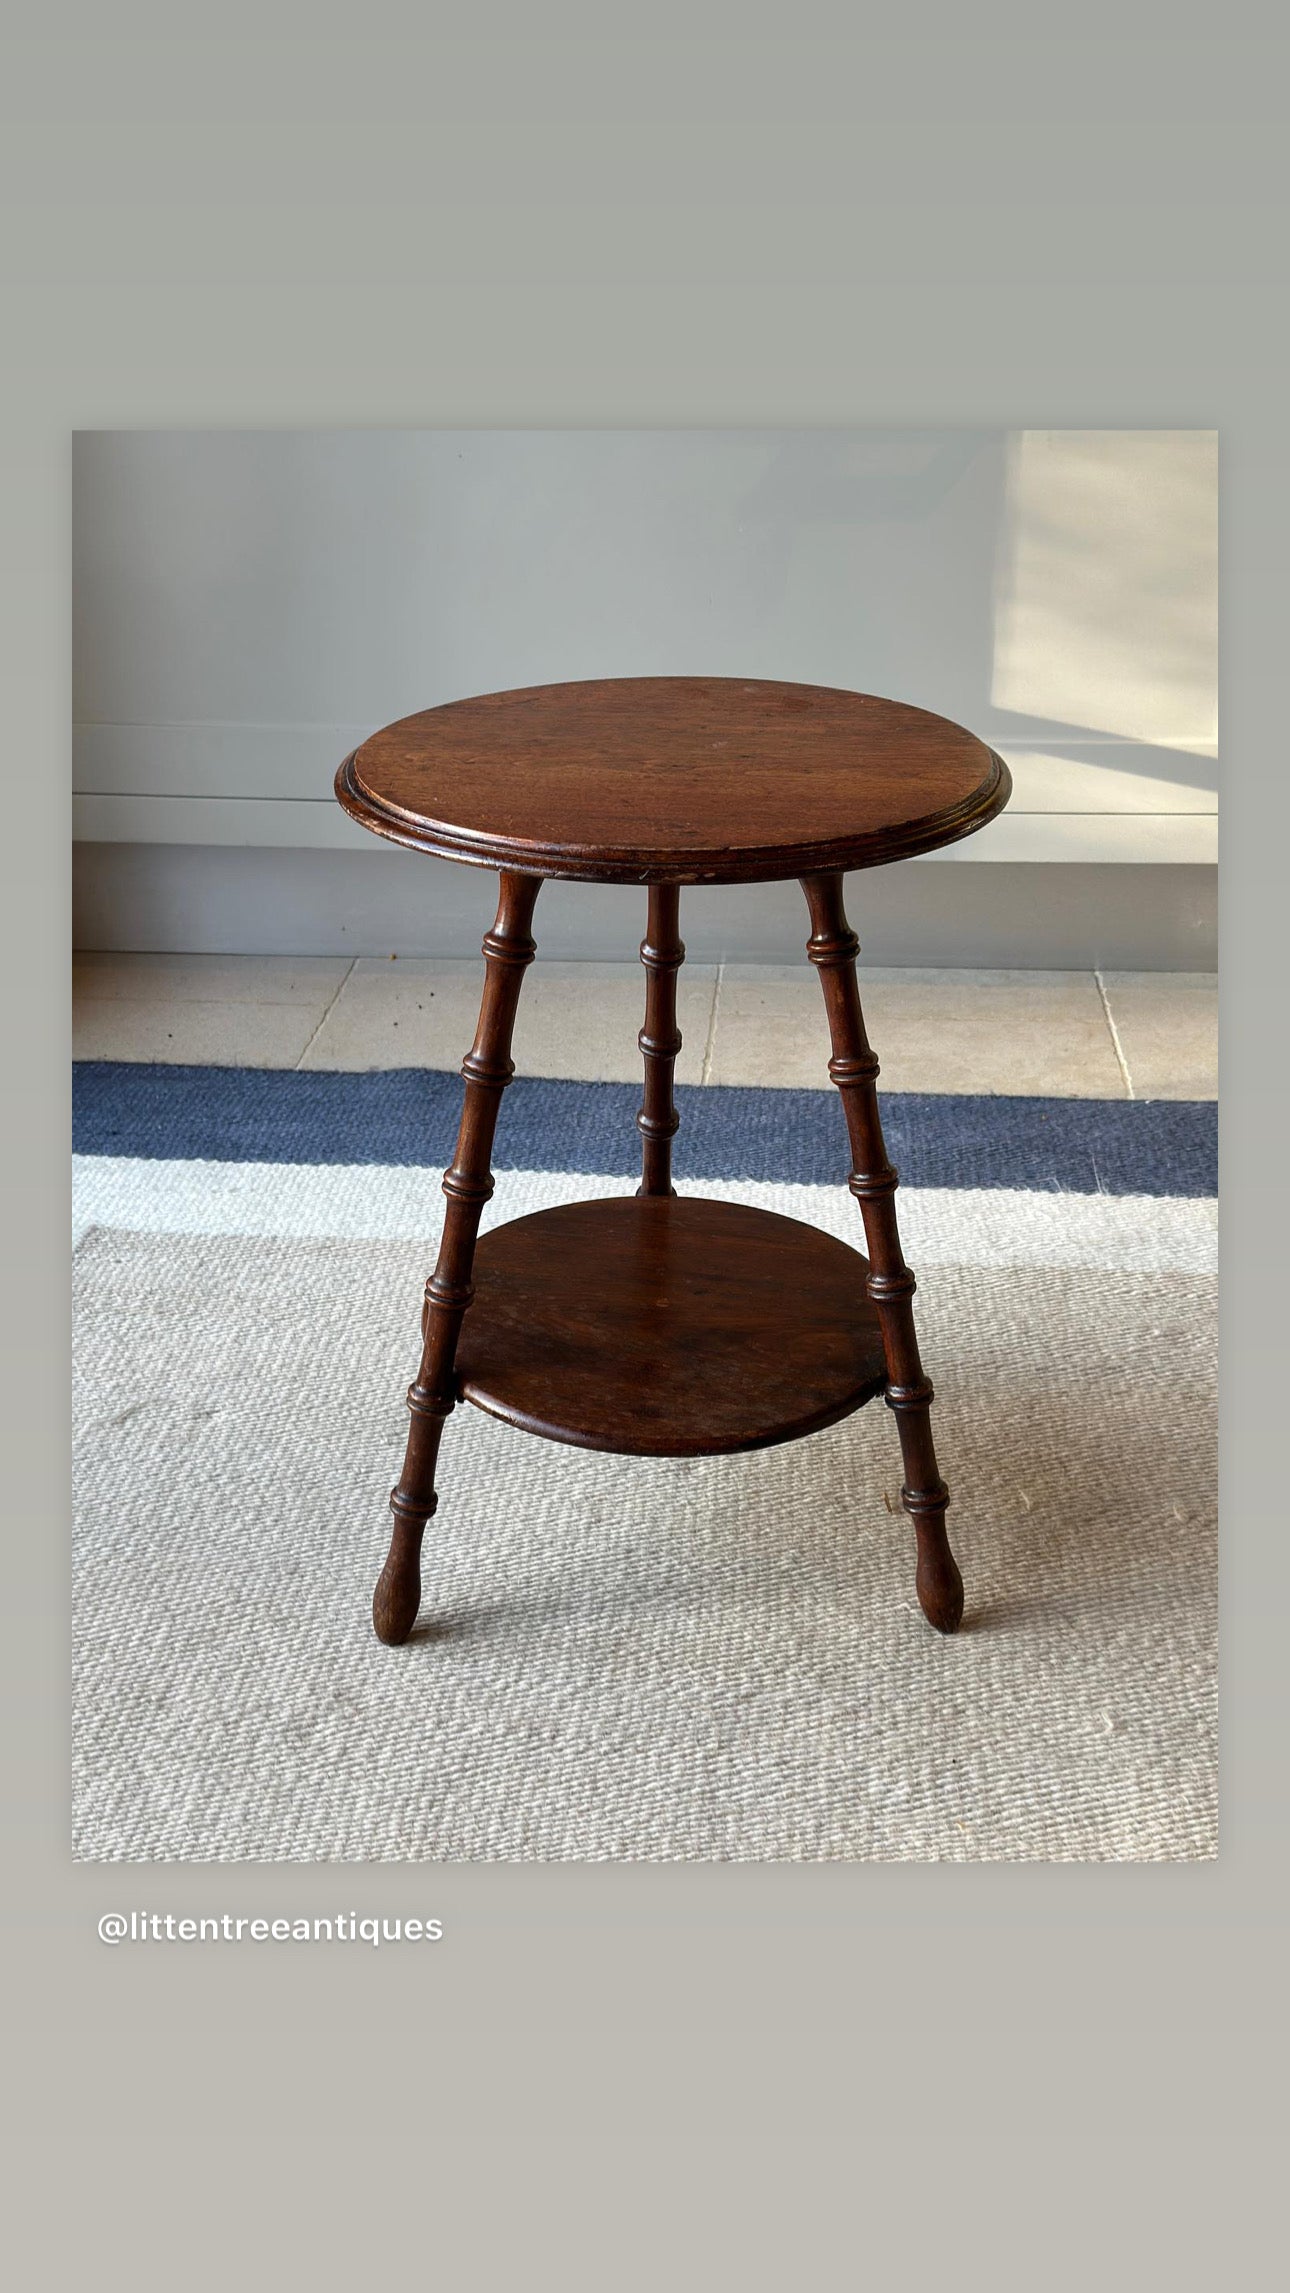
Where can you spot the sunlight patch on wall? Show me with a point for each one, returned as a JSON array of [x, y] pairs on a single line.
[[1106, 607]]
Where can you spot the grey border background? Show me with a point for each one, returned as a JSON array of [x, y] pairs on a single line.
[[613, 2075]]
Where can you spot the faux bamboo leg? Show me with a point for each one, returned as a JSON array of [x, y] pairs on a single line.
[[662, 954], [468, 1183], [833, 948]]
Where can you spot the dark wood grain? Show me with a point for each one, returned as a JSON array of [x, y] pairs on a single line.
[[468, 1184], [674, 779], [833, 948], [662, 953], [652, 1325], [662, 1326]]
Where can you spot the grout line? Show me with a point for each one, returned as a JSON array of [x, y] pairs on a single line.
[[340, 986], [1115, 1036], [709, 1047]]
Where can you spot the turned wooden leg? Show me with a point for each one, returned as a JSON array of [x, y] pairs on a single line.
[[658, 1121], [833, 948], [468, 1183]]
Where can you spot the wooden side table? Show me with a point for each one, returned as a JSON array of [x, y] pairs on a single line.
[[655, 1325]]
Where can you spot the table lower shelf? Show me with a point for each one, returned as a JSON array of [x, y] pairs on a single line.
[[668, 1327]]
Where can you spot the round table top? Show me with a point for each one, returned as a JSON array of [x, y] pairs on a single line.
[[674, 780]]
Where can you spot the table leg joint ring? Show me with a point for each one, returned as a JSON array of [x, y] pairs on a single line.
[[885, 1288], [406, 1510], [424, 1404], [459, 1186], [516, 952], [919, 1395], [847, 1072], [872, 1185], [448, 1297], [487, 1077], [919, 1501], [830, 951]]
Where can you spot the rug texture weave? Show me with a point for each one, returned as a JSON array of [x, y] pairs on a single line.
[[621, 1659]]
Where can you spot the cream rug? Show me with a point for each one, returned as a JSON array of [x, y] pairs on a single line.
[[627, 1660]]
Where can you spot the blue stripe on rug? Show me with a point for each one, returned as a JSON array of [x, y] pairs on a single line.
[[409, 1116]]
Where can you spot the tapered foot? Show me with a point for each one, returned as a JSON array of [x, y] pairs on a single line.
[[936, 1578], [397, 1597]]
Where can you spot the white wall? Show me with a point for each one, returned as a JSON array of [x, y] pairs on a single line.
[[249, 605]]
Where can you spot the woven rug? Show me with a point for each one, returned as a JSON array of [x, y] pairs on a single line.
[[621, 1659]]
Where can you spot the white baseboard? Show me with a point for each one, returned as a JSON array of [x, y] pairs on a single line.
[[230, 900]]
